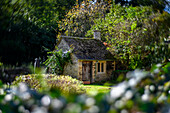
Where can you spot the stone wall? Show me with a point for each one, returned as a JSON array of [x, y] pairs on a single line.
[[100, 76], [72, 68], [93, 71], [80, 70]]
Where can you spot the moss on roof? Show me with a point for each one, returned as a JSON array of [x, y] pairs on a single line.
[[91, 49]]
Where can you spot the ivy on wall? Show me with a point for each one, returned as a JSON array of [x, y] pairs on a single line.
[[56, 61]]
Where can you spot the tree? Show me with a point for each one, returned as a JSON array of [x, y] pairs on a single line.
[[156, 4], [28, 27], [134, 35], [80, 19]]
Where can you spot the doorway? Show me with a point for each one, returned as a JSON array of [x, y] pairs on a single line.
[[87, 71]]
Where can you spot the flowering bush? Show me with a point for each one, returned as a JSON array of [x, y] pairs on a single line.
[[44, 82], [143, 91], [147, 92]]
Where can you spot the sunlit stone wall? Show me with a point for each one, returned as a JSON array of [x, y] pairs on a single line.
[[72, 68]]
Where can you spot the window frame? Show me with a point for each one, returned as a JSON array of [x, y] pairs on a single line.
[[101, 65], [98, 68]]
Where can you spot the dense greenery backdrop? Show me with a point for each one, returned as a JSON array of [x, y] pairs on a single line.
[[29, 26], [134, 34], [134, 30]]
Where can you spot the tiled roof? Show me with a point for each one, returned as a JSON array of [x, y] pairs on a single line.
[[90, 49]]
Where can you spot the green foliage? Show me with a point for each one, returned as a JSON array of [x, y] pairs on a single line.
[[57, 60], [1, 64], [156, 4], [135, 35], [143, 92], [44, 82], [80, 19], [29, 26]]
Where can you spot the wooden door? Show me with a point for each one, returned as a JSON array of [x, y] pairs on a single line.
[[87, 71]]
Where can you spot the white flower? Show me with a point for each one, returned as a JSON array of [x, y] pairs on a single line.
[[162, 98], [45, 101], [145, 97], [65, 52], [156, 70], [8, 97], [124, 111], [93, 109], [90, 101], [152, 87], [25, 95], [119, 104], [128, 94], [158, 65], [137, 74], [132, 82], [117, 91], [57, 103], [22, 87]]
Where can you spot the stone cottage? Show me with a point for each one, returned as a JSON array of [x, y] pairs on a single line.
[[90, 60]]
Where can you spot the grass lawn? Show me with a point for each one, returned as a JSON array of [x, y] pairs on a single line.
[[94, 89]]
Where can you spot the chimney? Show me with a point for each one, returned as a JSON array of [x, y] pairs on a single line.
[[97, 34]]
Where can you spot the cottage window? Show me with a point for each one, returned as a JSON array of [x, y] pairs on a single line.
[[100, 67]]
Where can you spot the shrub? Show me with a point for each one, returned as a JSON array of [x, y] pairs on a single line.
[[115, 74], [57, 60], [44, 82]]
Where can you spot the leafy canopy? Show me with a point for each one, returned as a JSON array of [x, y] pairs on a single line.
[[135, 35], [81, 17], [29, 26], [155, 4]]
